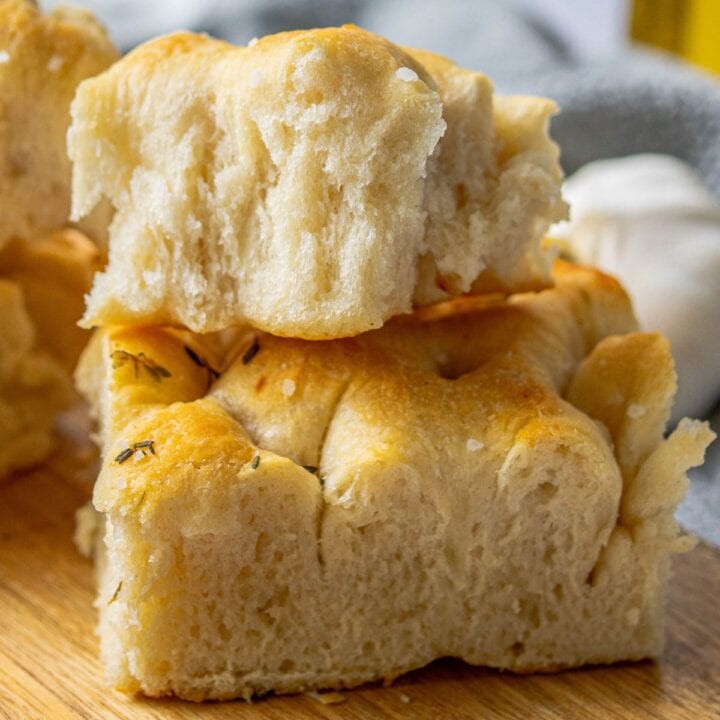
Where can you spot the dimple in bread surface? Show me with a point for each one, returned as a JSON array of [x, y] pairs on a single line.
[[42, 60], [312, 185], [323, 514]]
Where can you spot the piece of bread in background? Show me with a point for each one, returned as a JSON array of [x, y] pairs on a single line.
[[649, 220], [34, 387], [43, 283], [42, 60], [45, 267], [313, 184], [482, 481], [53, 273]]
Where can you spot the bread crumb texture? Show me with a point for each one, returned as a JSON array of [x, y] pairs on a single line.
[[43, 58], [313, 184], [369, 538]]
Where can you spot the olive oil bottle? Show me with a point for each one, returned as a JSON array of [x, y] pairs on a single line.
[[689, 28]]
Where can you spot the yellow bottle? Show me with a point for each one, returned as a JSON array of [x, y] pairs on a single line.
[[689, 28]]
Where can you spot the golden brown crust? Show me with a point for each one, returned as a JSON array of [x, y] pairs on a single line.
[[521, 353], [601, 384], [348, 43], [509, 361]]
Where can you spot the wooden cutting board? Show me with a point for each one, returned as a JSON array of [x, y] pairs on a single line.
[[48, 652]]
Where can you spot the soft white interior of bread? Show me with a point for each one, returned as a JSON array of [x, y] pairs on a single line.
[[312, 185]]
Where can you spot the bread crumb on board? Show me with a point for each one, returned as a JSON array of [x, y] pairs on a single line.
[[327, 698]]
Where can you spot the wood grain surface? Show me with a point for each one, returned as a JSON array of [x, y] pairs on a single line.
[[48, 651]]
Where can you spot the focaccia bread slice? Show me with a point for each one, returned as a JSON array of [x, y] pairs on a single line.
[[313, 184], [488, 482], [54, 272], [33, 387], [43, 58]]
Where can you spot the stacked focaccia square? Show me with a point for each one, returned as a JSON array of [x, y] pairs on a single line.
[[45, 267], [302, 501]]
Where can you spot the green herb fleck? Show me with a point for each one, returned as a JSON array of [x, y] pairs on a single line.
[[194, 356], [255, 462], [144, 446], [116, 593], [126, 454], [315, 471], [148, 445], [201, 362], [139, 361], [251, 352]]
